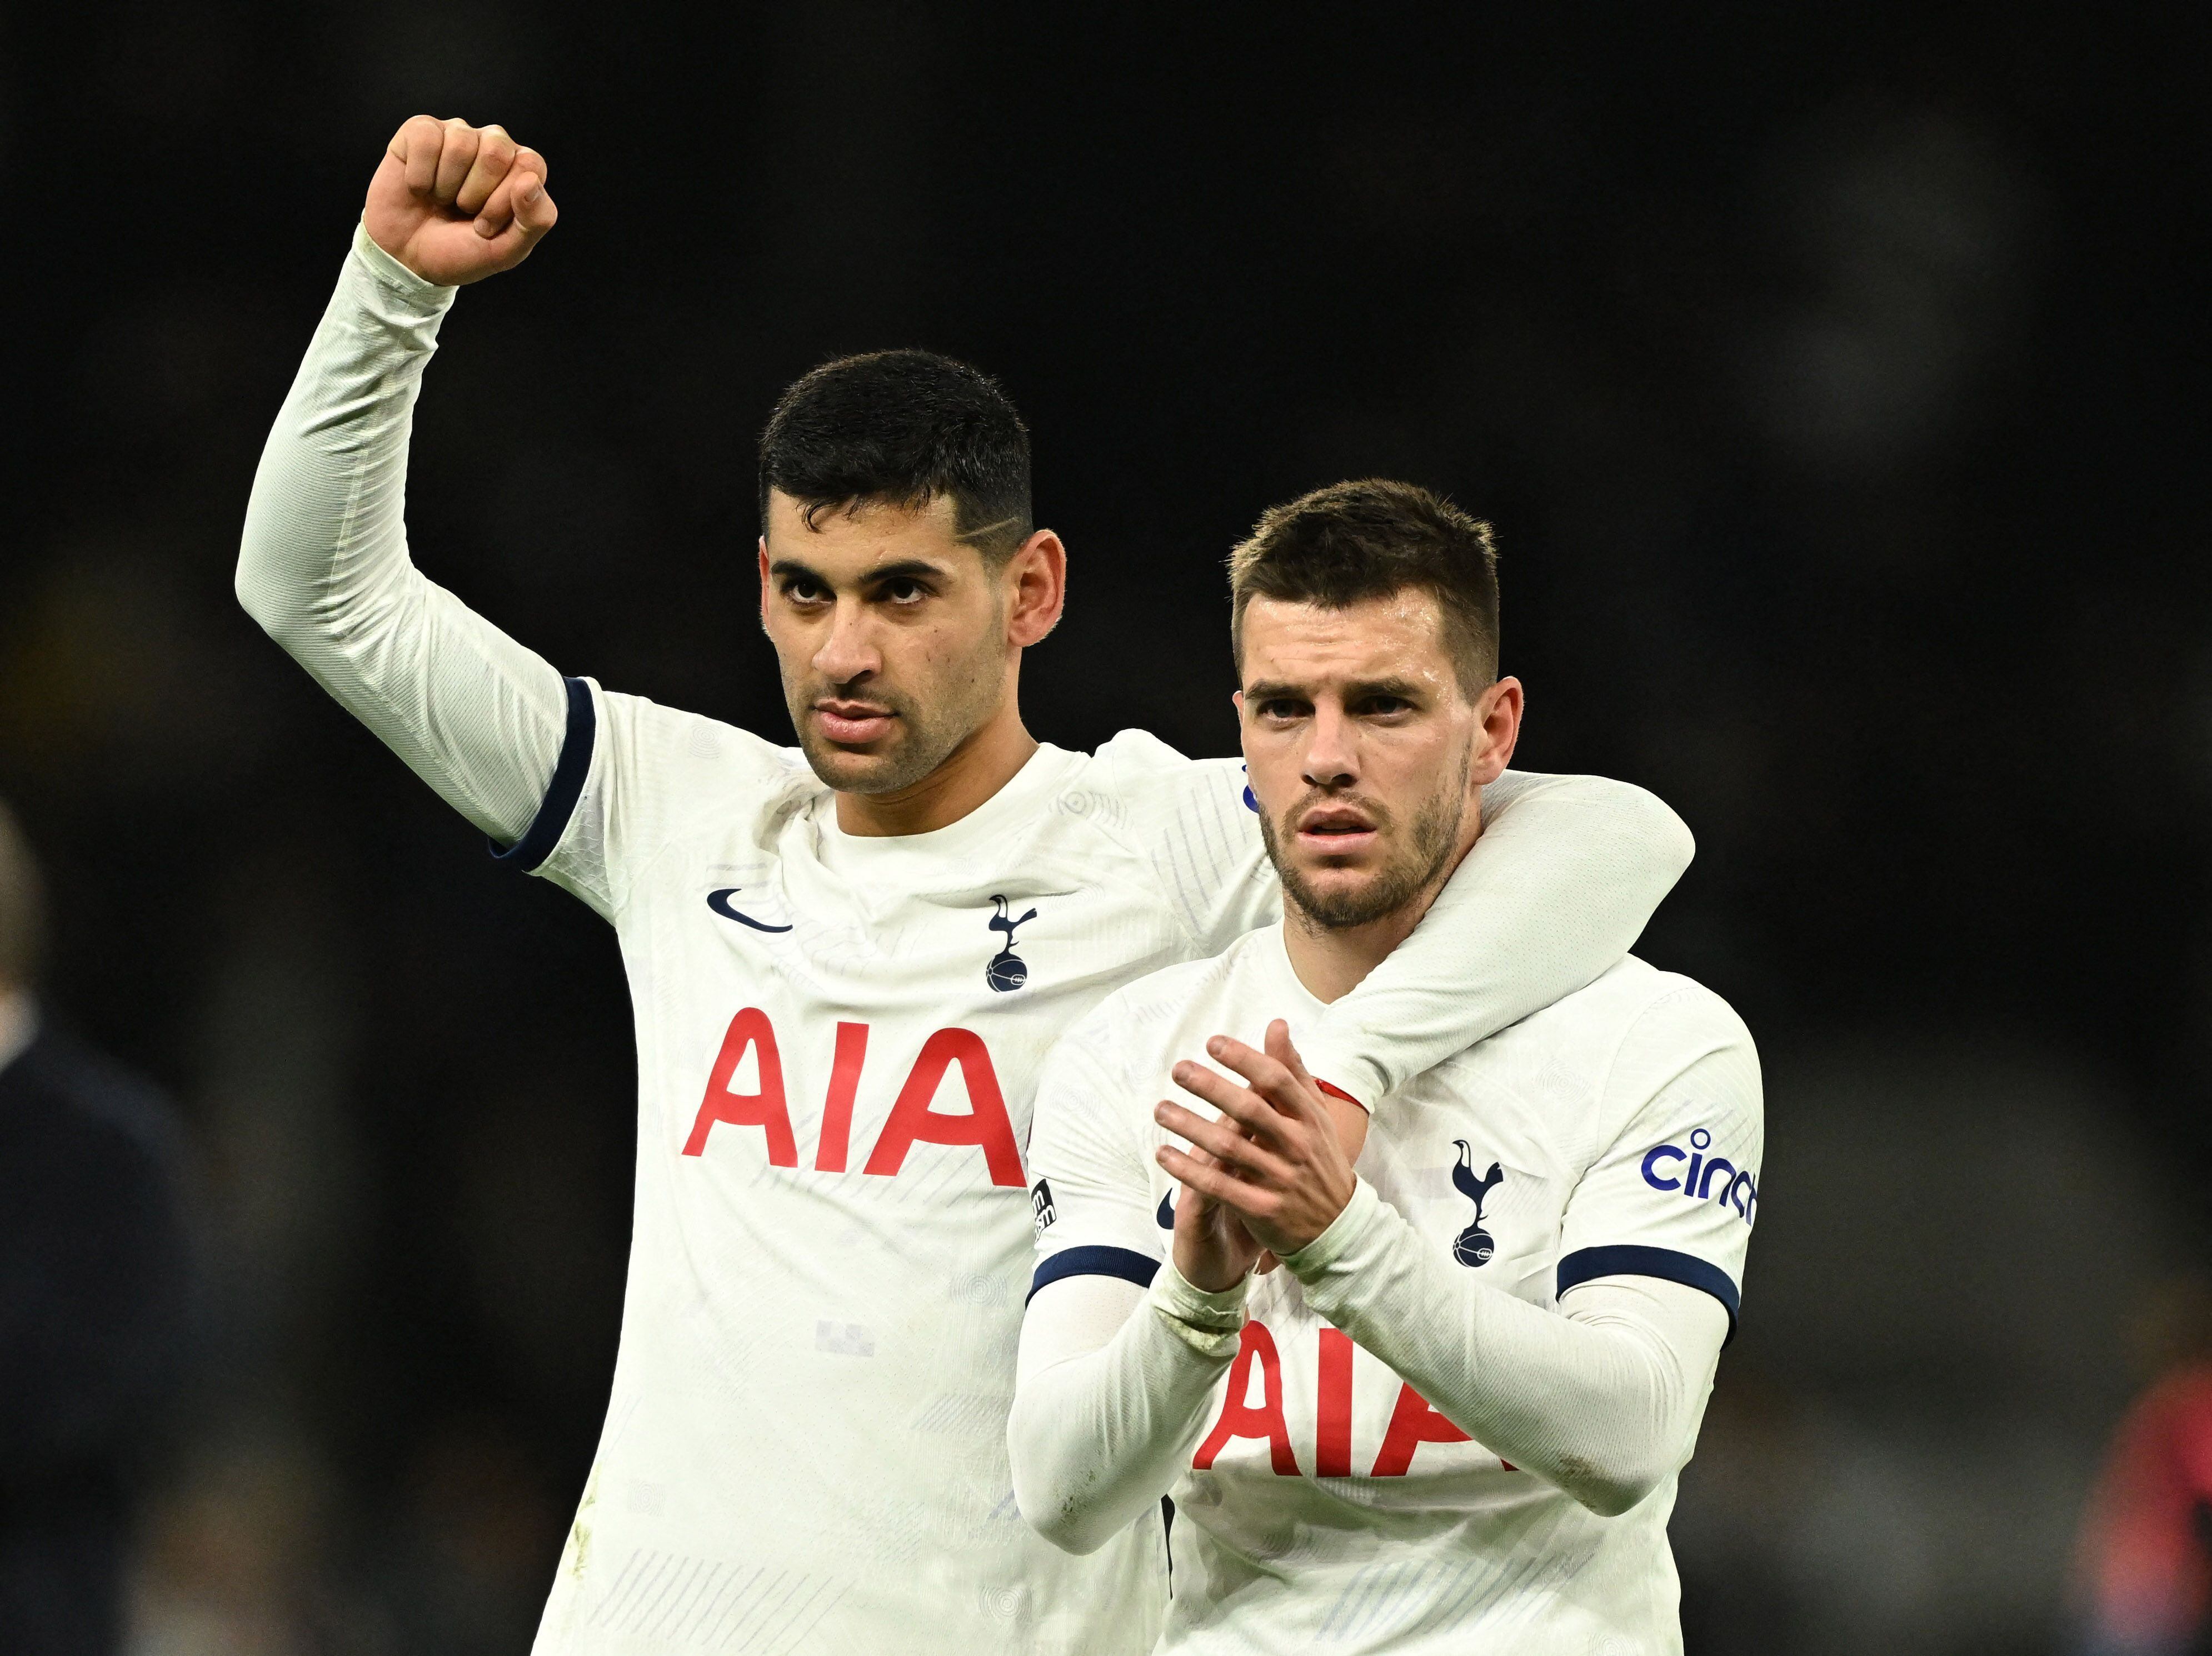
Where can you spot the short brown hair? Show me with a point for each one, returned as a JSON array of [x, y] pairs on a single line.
[[22, 908], [1368, 539]]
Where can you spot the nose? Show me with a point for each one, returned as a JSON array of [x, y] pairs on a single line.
[[1330, 760], [847, 654]]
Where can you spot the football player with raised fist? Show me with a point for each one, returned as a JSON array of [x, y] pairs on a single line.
[[848, 957]]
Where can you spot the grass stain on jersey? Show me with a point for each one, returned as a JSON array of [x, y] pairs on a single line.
[[580, 1533]]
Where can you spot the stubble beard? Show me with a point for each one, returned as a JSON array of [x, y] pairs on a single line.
[[923, 738], [1428, 845]]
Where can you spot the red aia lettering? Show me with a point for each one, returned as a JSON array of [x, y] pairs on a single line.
[[1413, 1423], [1332, 1406], [765, 1109], [1240, 1418], [837, 1108], [986, 1124]]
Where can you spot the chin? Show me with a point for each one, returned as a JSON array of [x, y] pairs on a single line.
[[887, 770], [847, 771], [1333, 890]]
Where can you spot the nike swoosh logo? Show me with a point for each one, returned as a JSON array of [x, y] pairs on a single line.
[[720, 902], [1166, 1215]]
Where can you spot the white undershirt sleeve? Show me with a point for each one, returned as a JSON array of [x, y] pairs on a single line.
[[323, 565], [1602, 1398], [1566, 873], [1114, 1390]]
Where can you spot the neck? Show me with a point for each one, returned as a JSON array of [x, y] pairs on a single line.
[[1332, 961], [969, 776]]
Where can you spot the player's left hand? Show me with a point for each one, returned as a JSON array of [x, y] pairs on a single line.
[[1274, 1159]]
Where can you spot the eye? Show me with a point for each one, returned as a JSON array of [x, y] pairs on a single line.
[[805, 589], [1284, 708], [1384, 707], [902, 590]]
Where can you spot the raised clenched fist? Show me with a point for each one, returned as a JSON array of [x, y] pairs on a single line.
[[455, 202]]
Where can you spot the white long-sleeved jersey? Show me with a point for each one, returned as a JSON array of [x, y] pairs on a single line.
[[1455, 1418], [838, 1040]]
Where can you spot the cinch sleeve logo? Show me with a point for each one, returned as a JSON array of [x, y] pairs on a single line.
[[1700, 1180]]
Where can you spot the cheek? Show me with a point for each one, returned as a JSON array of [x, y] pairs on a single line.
[[1273, 769]]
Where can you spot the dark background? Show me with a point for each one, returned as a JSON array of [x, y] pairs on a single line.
[[1828, 374]]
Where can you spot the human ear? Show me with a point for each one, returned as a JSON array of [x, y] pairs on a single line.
[[764, 583], [1497, 713], [1037, 577]]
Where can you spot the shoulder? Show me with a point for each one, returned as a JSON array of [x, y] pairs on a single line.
[[693, 759], [1628, 1035], [1669, 1037], [1136, 779], [1636, 999], [684, 739], [1145, 1013]]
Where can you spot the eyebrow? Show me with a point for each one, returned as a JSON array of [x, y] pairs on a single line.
[[908, 569], [1267, 689]]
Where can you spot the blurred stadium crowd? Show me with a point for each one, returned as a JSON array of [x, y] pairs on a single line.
[[1827, 372]]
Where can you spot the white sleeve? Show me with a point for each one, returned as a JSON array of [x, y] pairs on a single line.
[[1672, 1192], [1110, 1397], [1088, 1159], [323, 564], [1602, 1398], [1114, 1389], [1565, 875]]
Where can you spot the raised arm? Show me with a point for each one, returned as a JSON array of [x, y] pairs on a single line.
[[323, 565], [1566, 873]]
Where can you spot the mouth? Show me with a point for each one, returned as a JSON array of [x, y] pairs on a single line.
[[851, 724], [1336, 830]]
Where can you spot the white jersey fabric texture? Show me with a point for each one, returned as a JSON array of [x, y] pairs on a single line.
[[1455, 1418], [838, 1041]]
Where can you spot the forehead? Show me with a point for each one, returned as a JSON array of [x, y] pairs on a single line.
[[1401, 634], [850, 540]]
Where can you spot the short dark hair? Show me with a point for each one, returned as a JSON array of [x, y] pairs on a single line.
[[902, 428], [1368, 539]]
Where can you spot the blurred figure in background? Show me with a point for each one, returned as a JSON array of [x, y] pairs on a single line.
[[94, 1283], [2146, 1559]]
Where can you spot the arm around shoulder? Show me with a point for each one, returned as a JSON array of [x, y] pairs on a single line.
[[1567, 874]]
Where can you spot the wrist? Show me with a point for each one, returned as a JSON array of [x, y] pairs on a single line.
[[1209, 1322], [1206, 1275], [394, 273], [1341, 1235]]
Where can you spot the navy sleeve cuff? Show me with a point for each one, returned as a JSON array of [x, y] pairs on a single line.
[[1128, 1263], [530, 852], [1629, 1259]]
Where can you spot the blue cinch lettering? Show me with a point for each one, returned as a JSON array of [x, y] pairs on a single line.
[[1650, 1160], [1705, 1183], [1744, 1203]]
